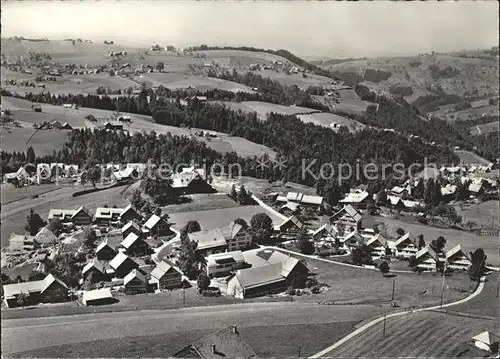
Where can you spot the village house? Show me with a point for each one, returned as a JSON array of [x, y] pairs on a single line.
[[36, 107], [21, 242], [122, 265], [45, 238], [131, 227], [448, 192], [356, 198], [21, 175], [43, 173], [113, 126], [134, 282], [165, 276], [487, 341], [347, 217], [427, 259], [224, 343], [236, 236], [105, 251], [78, 217], [126, 175], [224, 263], [476, 189], [128, 214], [290, 208], [190, 181], [97, 297], [395, 202], [351, 240], [326, 231], [157, 226], [290, 228], [402, 192], [378, 245], [405, 246], [134, 245], [209, 241], [95, 269], [280, 272], [457, 259], [105, 216], [47, 290], [304, 200]]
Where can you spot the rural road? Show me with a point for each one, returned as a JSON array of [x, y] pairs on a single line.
[[325, 352], [478, 130], [31, 333]]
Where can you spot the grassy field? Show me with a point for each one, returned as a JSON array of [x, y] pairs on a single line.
[[350, 102], [470, 158], [485, 214], [260, 187], [263, 108], [485, 303], [266, 341], [468, 241], [349, 285], [203, 202], [295, 79], [486, 128], [15, 222], [415, 335], [325, 119], [218, 217], [14, 139], [11, 194], [182, 81]]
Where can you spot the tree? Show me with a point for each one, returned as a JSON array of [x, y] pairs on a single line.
[[93, 175], [30, 155], [89, 281], [160, 66], [190, 227], [303, 243], [470, 224], [241, 222], [361, 255], [381, 197], [136, 198], [90, 237], [234, 194], [412, 262], [438, 244], [203, 282], [400, 231], [22, 298], [478, 266], [34, 222], [384, 268], [243, 196], [261, 226], [55, 225], [421, 242]]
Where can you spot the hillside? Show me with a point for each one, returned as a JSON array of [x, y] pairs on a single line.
[[470, 75], [14, 139]]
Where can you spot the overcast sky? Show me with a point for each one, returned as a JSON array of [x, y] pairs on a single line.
[[331, 29]]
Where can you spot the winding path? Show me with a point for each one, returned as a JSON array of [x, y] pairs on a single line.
[[324, 353]]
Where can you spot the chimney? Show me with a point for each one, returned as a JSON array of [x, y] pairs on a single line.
[[213, 348]]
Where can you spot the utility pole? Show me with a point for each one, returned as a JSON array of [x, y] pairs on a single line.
[[183, 296], [393, 288], [299, 350], [442, 288]]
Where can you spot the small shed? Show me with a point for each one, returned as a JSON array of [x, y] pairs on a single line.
[[36, 107]]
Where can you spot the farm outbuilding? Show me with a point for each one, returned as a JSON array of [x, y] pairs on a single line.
[[97, 297], [36, 107]]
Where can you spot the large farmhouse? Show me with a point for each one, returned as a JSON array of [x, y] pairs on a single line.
[[48, 290]]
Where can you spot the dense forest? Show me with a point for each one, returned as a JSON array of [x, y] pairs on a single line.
[[274, 92]]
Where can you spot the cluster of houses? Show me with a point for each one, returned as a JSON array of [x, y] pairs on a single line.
[[41, 173]]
